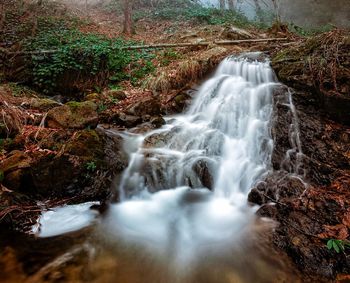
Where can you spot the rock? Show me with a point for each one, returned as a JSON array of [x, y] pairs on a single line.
[[95, 97], [205, 171], [87, 144], [129, 121], [148, 106], [235, 33], [74, 115], [157, 122], [43, 104], [15, 169], [306, 67], [316, 201], [117, 94]]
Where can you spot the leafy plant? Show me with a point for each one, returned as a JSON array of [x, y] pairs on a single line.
[[77, 54], [101, 107], [337, 245], [91, 166]]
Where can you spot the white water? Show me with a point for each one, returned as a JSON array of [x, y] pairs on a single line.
[[225, 133], [183, 213], [224, 138]]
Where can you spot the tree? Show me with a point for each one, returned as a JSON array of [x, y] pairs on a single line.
[[222, 4], [231, 4], [128, 23]]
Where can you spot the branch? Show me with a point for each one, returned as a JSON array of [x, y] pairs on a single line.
[[154, 46], [204, 43]]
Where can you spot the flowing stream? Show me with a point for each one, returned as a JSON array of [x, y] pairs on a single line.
[[184, 194]]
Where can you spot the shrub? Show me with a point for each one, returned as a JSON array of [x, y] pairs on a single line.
[[83, 58]]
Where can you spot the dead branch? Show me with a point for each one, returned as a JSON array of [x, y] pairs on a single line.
[[155, 46]]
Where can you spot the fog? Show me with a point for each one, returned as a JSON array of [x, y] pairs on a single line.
[[307, 13]]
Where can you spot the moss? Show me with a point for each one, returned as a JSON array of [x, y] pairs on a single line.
[[86, 144], [74, 114], [44, 104]]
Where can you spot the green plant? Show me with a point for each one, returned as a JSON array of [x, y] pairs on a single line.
[[91, 166], [101, 107], [89, 56], [337, 245], [310, 31]]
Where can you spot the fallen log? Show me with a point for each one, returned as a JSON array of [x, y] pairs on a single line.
[[156, 46], [203, 43]]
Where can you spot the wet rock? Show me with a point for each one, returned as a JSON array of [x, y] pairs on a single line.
[[129, 121], [157, 140], [204, 170], [154, 123], [74, 115], [313, 203], [148, 106]]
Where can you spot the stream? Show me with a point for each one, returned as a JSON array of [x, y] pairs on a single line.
[[183, 214]]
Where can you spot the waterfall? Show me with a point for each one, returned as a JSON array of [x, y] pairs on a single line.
[[222, 143], [185, 190]]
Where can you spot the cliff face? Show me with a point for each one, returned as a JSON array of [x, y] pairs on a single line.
[[311, 202]]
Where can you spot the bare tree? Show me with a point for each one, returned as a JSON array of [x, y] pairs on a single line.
[[222, 4], [128, 23], [231, 4]]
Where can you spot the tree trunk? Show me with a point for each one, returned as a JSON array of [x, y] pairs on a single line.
[[128, 24], [222, 4], [231, 4], [2, 15], [259, 11]]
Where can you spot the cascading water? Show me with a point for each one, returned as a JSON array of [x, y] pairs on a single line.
[[223, 143], [183, 215]]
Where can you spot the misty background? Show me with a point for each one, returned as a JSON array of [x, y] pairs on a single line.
[[311, 13], [304, 13]]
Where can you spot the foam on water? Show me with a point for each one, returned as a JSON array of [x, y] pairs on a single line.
[[226, 135], [187, 194]]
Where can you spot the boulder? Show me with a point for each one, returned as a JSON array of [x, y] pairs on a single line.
[[117, 94], [43, 104], [73, 115], [15, 169], [147, 106], [235, 33]]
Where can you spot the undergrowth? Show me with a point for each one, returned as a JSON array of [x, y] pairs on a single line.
[[203, 15], [88, 56]]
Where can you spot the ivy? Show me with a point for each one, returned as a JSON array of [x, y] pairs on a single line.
[[88, 54]]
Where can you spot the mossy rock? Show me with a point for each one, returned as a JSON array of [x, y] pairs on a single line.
[[93, 97], [319, 66], [117, 94], [15, 168], [73, 115], [86, 144], [147, 106], [43, 104]]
